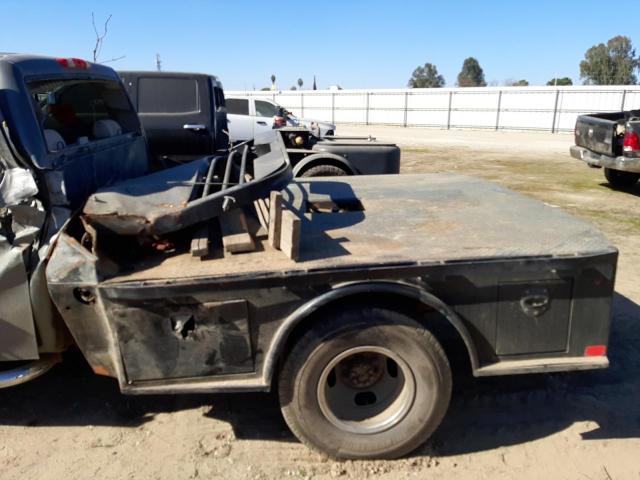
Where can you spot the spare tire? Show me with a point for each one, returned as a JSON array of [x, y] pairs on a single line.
[[324, 171]]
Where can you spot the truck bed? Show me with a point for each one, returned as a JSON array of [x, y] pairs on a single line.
[[444, 218]]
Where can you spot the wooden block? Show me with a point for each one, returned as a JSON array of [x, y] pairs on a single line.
[[200, 242], [235, 233], [322, 206], [290, 234], [262, 209], [275, 218]]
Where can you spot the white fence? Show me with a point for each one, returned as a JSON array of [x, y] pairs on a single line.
[[552, 109]]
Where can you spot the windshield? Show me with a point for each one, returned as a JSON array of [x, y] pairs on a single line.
[[78, 111]]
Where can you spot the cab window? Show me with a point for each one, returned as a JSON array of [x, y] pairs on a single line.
[[265, 109], [168, 95], [78, 111], [218, 96], [238, 106]]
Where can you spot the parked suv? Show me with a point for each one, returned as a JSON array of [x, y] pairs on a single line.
[[249, 116]]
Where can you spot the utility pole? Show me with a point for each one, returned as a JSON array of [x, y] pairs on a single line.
[[158, 62]]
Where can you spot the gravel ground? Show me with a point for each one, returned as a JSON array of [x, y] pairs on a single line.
[[74, 425]]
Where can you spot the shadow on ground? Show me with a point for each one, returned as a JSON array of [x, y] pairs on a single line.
[[484, 414], [634, 190]]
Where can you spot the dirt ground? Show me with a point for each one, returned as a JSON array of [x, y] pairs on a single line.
[[74, 425]]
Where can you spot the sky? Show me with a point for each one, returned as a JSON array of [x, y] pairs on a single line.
[[354, 44]]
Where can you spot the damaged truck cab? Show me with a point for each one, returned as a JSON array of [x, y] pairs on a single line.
[[225, 274], [67, 129]]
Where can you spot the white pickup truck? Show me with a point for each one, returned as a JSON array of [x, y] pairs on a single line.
[[248, 116]]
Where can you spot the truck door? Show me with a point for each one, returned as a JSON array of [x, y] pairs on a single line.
[[176, 114], [238, 119], [264, 113]]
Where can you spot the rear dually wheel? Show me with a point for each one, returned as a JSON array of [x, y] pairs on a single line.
[[365, 383]]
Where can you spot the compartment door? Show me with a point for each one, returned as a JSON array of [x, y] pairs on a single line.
[[533, 317]]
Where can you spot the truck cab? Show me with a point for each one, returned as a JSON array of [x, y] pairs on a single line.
[[184, 114], [68, 128]]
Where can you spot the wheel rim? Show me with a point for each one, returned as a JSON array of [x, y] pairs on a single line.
[[366, 390]]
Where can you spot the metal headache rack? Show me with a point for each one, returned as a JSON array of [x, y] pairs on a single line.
[[171, 200]]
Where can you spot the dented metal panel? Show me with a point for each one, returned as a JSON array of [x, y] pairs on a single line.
[[181, 338], [21, 218]]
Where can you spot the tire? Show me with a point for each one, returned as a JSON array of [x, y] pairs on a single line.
[[618, 178], [327, 411], [324, 171]]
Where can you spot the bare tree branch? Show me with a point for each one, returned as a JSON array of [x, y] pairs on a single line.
[[99, 38], [115, 59]]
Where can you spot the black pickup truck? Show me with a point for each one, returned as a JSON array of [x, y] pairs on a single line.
[[612, 141], [226, 274], [184, 116]]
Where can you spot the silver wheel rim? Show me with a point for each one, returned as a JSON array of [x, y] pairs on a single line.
[[366, 390]]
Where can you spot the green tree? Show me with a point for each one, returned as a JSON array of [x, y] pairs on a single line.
[[561, 82], [612, 64], [426, 77], [300, 83], [471, 74], [517, 83]]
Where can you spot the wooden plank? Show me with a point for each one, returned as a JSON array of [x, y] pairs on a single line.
[[235, 233], [275, 218], [322, 206], [262, 209], [200, 242], [290, 234]]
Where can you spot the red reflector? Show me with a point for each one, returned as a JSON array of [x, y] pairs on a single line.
[[631, 142], [76, 63], [595, 351]]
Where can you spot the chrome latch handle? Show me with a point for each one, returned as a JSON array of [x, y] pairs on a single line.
[[535, 301]]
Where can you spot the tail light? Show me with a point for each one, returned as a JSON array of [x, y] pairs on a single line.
[[595, 351], [75, 63], [631, 142]]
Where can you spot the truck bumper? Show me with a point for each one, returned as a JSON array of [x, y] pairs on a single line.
[[625, 164]]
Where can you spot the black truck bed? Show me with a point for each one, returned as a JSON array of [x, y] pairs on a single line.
[[444, 218]]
